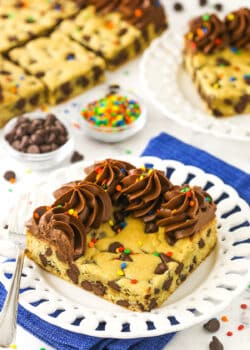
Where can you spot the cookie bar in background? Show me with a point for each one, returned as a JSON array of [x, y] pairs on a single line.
[[20, 21], [19, 92], [106, 34], [217, 57], [125, 234], [65, 67]]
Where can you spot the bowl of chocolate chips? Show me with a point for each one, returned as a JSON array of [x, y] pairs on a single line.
[[39, 140]]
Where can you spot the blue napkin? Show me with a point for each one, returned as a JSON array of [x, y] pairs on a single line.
[[166, 147]]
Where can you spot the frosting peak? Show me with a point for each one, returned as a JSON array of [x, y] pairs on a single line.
[[185, 211], [238, 27], [206, 34]]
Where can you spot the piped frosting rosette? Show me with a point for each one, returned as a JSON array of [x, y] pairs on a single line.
[[238, 27], [185, 211]]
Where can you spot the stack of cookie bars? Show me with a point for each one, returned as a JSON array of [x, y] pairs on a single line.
[[54, 50]]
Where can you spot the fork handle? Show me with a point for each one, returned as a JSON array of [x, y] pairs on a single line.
[[8, 316]]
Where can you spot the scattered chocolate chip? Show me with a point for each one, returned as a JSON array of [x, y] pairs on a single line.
[[76, 157], [201, 243], [212, 325], [86, 37], [241, 105], [195, 260], [160, 269], [178, 6], [73, 273], [4, 72], [124, 303], [98, 288], [43, 259], [202, 2], [215, 344], [167, 284], [179, 268], [87, 286], [48, 252], [113, 246], [164, 258], [114, 285], [10, 175], [218, 7]]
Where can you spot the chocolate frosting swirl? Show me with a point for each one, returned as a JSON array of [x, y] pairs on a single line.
[[207, 34], [105, 6], [65, 232], [238, 27], [143, 12], [143, 190], [90, 202], [185, 211], [108, 174]]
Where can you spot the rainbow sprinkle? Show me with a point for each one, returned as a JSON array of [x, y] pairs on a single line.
[[112, 111]]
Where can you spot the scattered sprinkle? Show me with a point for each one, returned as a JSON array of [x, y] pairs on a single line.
[[76, 125], [120, 273], [128, 151], [127, 251], [123, 265], [229, 334], [224, 319], [133, 281], [111, 223], [243, 306], [169, 254], [241, 327], [156, 254], [206, 18], [139, 243], [91, 244], [13, 346]]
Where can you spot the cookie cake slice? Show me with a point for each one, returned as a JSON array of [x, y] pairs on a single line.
[[126, 234]]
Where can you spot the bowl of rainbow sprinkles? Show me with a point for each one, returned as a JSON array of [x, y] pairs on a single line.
[[114, 117]]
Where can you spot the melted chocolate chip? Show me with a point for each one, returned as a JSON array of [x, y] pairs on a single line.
[[66, 88], [222, 62], [160, 269], [83, 81], [113, 246], [97, 72], [124, 303], [217, 113], [34, 100], [201, 243], [215, 344], [48, 252], [114, 285], [40, 74], [212, 325], [157, 290], [20, 104], [152, 304], [228, 102], [76, 157], [164, 258], [73, 273], [241, 105], [179, 268], [98, 288], [167, 284], [87, 286], [122, 32], [43, 259], [9, 175]]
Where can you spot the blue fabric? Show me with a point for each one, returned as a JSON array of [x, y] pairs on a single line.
[[165, 146]]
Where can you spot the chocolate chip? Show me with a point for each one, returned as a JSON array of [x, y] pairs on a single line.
[[151, 227], [86, 37], [83, 81], [167, 284], [178, 6], [87, 286], [114, 285], [34, 100], [215, 344], [241, 105], [218, 7], [43, 259], [179, 268], [228, 102], [20, 104], [97, 72], [201, 243], [73, 273], [113, 246], [9, 175], [98, 288], [40, 74], [209, 232], [157, 290], [48, 252], [203, 2], [4, 72], [222, 62], [160, 269], [124, 303], [212, 325], [122, 32], [66, 88], [164, 258], [217, 113], [76, 157], [152, 304], [191, 267], [125, 257], [137, 45]]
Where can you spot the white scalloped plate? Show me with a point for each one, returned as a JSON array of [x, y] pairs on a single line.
[[207, 291], [171, 90]]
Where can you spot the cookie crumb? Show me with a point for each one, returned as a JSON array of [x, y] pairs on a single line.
[[212, 325], [215, 344], [76, 157]]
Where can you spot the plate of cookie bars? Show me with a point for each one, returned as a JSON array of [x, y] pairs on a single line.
[[204, 82], [133, 247], [52, 51]]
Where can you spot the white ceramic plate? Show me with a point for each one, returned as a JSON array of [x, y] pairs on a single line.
[[172, 91], [207, 291]]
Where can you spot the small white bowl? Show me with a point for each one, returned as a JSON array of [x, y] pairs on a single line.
[[115, 134], [38, 161]]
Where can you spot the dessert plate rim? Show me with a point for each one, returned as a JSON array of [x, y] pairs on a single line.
[[227, 277]]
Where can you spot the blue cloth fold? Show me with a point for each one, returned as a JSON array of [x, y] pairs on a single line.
[[166, 147]]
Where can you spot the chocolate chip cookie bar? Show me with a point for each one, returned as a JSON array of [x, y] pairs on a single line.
[[21, 21], [217, 57], [19, 92], [123, 233], [107, 35], [65, 67]]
